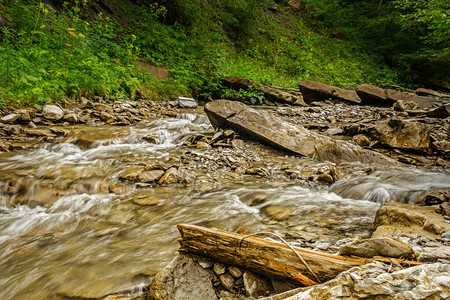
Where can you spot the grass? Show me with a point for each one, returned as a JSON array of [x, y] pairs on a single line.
[[46, 56]]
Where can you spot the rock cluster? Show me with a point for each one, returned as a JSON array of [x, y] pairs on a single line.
[[193, 277]]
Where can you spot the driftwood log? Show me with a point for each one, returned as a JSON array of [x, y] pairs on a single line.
[[267, 257]]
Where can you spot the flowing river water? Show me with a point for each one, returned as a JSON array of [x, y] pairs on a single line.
[[88, 242]]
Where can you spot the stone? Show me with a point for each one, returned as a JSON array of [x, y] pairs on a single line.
[[106, 117], [237, 143], [269, 129], [445, 209], [315, 91], [39, 132], [104, 108], [402, 134], [219, 268], [325, 178], [256, 285], [374, 281], [270, 93], [52, 112], [203, 146], [385, 246], [362, 140], [404, 105], [182, 279], [70, 117], [279, 213], [150, 176], [392, 218], [184, 102], [235, 271], [146, 201], [119, 188], [138, 292], [441, 112], [434, 197], [170, 177], [10, 118], [227, 281], [442, 146], [429, 92], [372, 95]]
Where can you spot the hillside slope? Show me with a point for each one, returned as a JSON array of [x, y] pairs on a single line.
[[54, 49]]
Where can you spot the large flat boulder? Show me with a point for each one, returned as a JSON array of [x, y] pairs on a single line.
[[267, 128], [372, 95], [271, 93], [397, 218], [396, 133], [377, 281], [386, 246], [315, 91]]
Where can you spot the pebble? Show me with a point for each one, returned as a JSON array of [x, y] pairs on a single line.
[[219, 268]]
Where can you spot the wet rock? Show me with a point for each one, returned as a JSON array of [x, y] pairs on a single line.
[[150, 139], [434, 197], [39, 132], [203, 146], [130, 174], [398, 218], [52, 112], [402, 134], [70, 117], [171, 176], [442, 146], [445, 209], [219, 268], [138, 292], [325, 178], [441, 112], [235, 272], [404, 105], [184, 102], [119, 188], [362, 140], [373, 281], [315, 91], [146, 201], [227, 281], [107, 117], [182, 279], [279, 213], [237, 143], [271, 130], [256, 285], [385, 246], [150, 176]]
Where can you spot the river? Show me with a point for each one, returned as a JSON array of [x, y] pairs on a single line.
[[63, 233]]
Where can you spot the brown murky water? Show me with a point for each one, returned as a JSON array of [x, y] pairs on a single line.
[[64, 234]]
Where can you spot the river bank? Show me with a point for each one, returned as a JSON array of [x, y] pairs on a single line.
[[81, 183]]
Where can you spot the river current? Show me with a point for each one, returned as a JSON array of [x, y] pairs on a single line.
[[89, 242]]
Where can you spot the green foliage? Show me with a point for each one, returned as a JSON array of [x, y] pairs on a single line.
[[407, 36], [46, 56]]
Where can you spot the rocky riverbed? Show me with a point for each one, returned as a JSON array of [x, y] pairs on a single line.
[[98, 185]]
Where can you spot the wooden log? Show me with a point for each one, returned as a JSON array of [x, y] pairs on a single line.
[[263, 256]]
